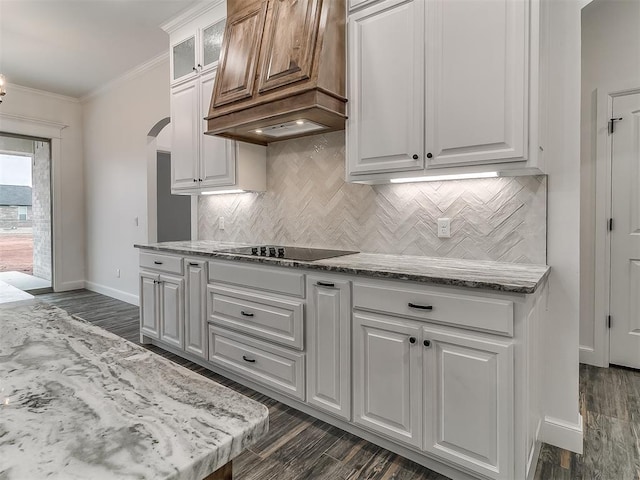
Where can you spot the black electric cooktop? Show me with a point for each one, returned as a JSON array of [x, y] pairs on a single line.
[[290, 253]]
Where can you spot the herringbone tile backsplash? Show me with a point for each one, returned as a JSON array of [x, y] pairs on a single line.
[[308, 203]]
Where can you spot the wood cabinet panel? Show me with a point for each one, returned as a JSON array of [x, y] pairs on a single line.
[[288, 43], [239, 61]]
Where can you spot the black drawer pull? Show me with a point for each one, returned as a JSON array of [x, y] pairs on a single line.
[[194, 264], [420, 307], [157, 262], [412, 339], [326, 284], [250, 360], [246, 314], [427, 343]]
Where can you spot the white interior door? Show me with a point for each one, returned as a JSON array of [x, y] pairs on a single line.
[[625, 237]]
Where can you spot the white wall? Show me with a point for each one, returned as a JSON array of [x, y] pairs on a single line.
[[560, 119], [117, 121], [610, 59], [69, 232]]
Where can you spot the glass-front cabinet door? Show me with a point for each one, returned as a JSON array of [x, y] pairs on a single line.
[[212, 43], [183, 58]]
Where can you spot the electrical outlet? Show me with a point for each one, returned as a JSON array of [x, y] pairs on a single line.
[[221, 223], [117, 273], [444, 227]]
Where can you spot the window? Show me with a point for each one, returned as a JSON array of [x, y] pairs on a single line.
[[22, 213]]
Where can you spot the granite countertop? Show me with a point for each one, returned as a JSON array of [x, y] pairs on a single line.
[[79, 402], [501, 276]]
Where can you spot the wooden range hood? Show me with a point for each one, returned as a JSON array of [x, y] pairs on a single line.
[[282, 71]]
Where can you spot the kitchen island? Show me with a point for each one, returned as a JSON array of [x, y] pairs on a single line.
[[79, 402]]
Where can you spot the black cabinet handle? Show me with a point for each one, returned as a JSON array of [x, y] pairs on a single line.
[[250, 360], [157, 262], [326, 284], [412, 339], [194, 69], [246, 314], [195, 180], [194, 264], [429, 155], [427, 343], [415, 156], [420, 307]]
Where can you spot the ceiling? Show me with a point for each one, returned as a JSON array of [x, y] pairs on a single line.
[[72, 47]]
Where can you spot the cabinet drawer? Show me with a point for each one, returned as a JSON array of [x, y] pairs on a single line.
[[275, 367], [267, 317], [163, 263], [481, 313], [279, 280]]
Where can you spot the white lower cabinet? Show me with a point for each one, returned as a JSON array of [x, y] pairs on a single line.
[[279, 368], [161, 307], [387, 381], [149, 308], [445, 391], [195, 325], [172, 310], [432, 372], [468, 400], [329, 345]]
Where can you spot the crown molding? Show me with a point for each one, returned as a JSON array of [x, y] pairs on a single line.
[[130, 75], [44, 93], [189, 15]]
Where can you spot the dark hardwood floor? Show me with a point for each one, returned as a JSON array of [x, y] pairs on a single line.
[[300, 447]]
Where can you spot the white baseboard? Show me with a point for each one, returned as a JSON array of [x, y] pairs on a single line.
[[562, 433], [73, 285], [589, 356], [112, 292]]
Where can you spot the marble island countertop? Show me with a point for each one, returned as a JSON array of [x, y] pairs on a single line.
[[77, 402], [501, 276]]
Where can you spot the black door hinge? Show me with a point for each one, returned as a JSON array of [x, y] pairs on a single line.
[[612, 124], [608, 321], [610, 224]]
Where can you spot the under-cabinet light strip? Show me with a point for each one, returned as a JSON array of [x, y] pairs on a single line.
[[437, 178], [220, 192]]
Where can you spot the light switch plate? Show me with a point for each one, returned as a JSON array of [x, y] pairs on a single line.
[[444, 227]]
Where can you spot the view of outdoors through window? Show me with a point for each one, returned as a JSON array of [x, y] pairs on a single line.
[[25, 212], [16, 207]]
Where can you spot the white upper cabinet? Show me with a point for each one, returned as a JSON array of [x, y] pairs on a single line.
[[386, 88], [204, 163], [196, 42], [476, 105], [441, 86], [217, 160], [183, 59], [184, 123]]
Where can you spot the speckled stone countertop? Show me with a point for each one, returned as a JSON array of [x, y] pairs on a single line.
[[501, 276], [77, 402]]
